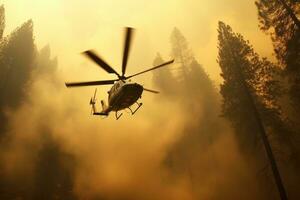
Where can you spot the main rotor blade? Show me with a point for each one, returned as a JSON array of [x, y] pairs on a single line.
[[153, 91], [153, 68], [94, 57], [90, 83], [127, 43]]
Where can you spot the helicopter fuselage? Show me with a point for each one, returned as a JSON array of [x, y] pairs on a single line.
[[123, 94]]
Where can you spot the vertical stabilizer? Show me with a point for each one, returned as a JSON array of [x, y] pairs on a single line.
[[104, 106]]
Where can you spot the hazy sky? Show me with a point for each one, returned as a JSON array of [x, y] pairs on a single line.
[[72, 26]]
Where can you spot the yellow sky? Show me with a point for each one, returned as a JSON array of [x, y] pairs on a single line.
[[71, 26]]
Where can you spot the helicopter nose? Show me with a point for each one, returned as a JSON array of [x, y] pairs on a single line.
[[139, 87], [134, 88]]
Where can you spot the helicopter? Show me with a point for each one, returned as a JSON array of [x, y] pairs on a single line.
[[124, 93]]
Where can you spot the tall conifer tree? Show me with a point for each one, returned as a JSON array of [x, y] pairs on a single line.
[[280, 18], [181, 52], [243, 70]]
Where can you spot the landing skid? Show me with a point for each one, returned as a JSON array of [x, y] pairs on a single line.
[[139, 105], [101, 114], [132, 111], [118, 116]]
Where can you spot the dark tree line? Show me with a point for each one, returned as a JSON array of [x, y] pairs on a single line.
[[20, 63]]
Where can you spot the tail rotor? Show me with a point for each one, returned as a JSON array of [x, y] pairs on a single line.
[[93, 102]]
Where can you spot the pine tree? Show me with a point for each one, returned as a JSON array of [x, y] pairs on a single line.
[[164, 79], [18, 51], [198, 98], [280, 19], [235, 102], [261, 78], [200, 82], [44, 64], [243, 70], [191, 75], [53, 167], [16, 61], [181, 53]]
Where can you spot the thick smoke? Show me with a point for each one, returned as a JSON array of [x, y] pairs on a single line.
[[176, 147], [55, 148], [206, 153]]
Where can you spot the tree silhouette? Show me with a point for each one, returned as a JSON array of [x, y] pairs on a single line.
[[250, 97], [194, 91], [16, 62], [20, 65], [44, 64], [17, 52], [280, 19], [164, 79], [180, 52]]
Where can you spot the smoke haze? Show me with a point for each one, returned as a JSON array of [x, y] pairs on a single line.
[[173, 148]]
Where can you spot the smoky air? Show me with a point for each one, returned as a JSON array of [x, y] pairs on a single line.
[[213, 88]]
